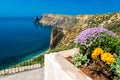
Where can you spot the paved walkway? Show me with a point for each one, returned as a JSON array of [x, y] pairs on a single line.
[[35, 74]]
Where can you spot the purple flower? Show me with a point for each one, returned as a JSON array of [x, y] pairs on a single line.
[[92, 34]]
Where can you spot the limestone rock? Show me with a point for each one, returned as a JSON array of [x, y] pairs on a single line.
[[62, 21]]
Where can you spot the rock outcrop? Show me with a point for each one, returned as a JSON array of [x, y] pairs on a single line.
[[61, 21], [36, 19]]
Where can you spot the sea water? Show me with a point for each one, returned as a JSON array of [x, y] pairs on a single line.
[[20, 38]]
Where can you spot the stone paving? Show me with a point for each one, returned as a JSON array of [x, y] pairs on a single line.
[[35, 74]]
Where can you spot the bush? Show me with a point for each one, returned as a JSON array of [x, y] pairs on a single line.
[[102, 49]]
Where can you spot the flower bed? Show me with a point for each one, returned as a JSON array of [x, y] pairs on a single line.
[[99, 54]]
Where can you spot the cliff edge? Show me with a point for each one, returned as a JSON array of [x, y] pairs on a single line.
[[66, 28]]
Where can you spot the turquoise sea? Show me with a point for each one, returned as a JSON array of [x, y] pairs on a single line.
[[20, 38]]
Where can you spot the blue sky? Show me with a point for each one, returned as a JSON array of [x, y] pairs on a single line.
[[71, 7]]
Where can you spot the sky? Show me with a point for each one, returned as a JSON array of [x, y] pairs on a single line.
[[70, 7]]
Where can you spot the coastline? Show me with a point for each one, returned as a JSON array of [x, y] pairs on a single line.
[[34, 55], [31, 60], [28, 59], [28, 63]]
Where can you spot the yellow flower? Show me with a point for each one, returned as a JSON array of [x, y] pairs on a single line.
[[111, 60], [107, 57], [96, 53], [94, 56]]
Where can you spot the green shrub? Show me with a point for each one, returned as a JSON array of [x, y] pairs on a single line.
[[100, 49]]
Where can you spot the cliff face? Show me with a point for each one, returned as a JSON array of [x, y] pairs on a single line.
[[61, 23], [56, 36], [68, 27]]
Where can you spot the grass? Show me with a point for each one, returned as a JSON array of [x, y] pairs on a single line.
[[37, 60]]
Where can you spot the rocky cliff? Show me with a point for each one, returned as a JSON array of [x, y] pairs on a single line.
[[66, 28], [61, 21]]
